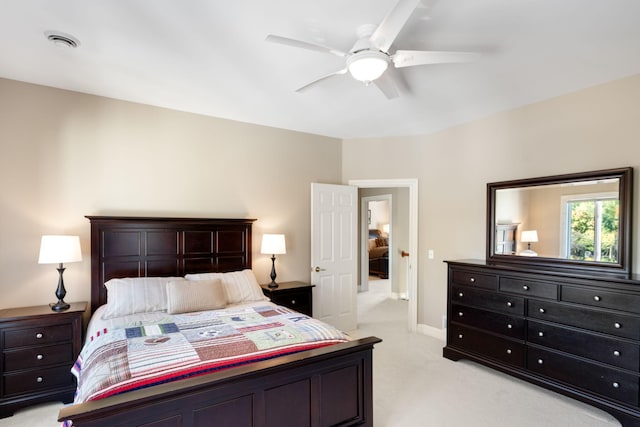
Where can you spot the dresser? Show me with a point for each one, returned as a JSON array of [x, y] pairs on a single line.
[[38, 348], [573, 334], [294, 295]]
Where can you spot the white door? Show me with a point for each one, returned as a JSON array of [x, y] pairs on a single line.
[[334, 254]]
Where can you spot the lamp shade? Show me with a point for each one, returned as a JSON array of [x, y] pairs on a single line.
[[59, 249], [529, 236], [273, 244]]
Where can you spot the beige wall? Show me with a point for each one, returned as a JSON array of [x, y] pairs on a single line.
[[597, 128], [66, 155]]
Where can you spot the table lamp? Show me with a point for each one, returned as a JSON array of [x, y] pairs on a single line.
[[58, 250], [273, 244]]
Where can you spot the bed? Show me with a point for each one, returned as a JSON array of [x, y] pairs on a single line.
[[378, 254], [320, 386]]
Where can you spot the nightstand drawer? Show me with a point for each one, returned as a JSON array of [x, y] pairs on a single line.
[[294, 295], [298, 301], [37, 336], [36, 380], [38, 356]]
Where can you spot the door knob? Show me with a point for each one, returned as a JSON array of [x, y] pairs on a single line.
[[318, 269]]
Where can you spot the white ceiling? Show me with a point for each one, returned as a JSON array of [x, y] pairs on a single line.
[[210, 57]]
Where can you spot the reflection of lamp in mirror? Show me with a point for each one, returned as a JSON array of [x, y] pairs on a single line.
[[527, 237]]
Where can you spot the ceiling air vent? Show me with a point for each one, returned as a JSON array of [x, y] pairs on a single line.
[[61, 39]]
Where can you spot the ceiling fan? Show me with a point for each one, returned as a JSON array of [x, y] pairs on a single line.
[[369, 57]]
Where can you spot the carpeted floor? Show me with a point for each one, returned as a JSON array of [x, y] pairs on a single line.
[[414, 386]]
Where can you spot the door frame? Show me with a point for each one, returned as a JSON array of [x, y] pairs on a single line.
[[412, 185]]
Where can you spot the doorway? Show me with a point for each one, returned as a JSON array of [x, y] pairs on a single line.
[[412, 238], [376, 224]]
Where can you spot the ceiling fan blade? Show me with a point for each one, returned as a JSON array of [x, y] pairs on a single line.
[[304, 45], [408, 58], [308, 85], [384, 36], [387, 85]]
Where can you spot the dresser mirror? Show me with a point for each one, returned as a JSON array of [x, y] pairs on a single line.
[[578, 221]]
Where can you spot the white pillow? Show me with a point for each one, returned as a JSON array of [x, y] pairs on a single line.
[[240, 286], [136, 295], [185, 296]]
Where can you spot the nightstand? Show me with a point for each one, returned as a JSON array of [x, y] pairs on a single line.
[[294, 295], [39, 347]]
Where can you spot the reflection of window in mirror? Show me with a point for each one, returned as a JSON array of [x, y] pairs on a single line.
[[590, 225]]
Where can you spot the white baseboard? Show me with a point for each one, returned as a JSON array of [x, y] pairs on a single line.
[[440, 334]]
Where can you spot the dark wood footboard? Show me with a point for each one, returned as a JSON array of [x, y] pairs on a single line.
[[323, 387]]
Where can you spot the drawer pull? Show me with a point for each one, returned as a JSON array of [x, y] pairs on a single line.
[[540, 334], [472, 279], [616, 353], [460, 294], [542, 310], [617, 325], [616, 385], [460, 314], [509, 326], [39, 357], [293, 302], [39, 379], [540, 361], [509, 304], [459, 336], [39, 335], [596, 298], [525, 287], [508, 351]]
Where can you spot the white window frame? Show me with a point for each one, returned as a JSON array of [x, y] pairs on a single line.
[[564, 214]]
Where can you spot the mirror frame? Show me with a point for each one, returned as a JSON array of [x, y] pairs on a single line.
[[622, 268]]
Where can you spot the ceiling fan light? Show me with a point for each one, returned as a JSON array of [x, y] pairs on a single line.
[[367, 66]]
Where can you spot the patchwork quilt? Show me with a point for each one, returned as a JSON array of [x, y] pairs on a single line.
[[135, 356]]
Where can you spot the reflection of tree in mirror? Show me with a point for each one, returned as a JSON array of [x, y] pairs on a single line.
[[594, 230]]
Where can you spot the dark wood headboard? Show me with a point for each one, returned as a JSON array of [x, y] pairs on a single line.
[[161, 247]]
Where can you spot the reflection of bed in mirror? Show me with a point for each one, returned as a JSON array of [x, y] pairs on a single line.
[[378, 254]]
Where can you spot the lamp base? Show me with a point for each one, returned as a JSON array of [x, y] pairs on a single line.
[[528, 252], [59, 306], [273, 285]]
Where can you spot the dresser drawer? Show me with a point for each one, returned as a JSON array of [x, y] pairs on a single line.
[[37, 380], [37, 335], [479, 280], [621, 386], [38, 356], [507, 351], [529, 288], [586, 318], [611, 351], [504, 324], [490, 300], [599, 297]]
